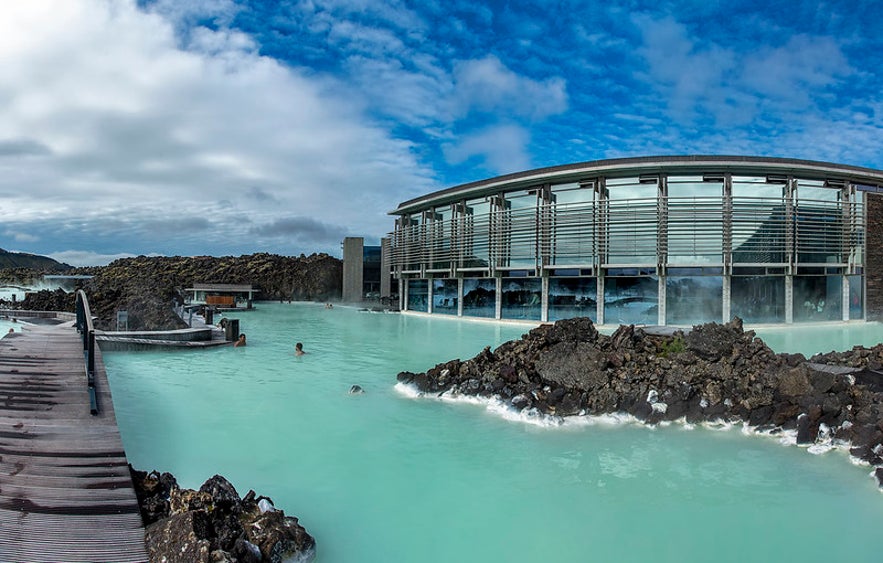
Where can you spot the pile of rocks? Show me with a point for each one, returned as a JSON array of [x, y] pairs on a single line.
[[46, 300], [713, 372], [214, 525]]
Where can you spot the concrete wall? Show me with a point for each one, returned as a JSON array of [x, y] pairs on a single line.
[[874, 255], [353, 259]]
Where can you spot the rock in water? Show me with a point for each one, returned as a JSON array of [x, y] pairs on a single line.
[[713, 372], [214, 525]]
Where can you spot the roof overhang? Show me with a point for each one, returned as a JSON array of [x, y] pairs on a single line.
[[622, 167]]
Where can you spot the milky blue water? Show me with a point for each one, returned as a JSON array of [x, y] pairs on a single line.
[[381, 477]]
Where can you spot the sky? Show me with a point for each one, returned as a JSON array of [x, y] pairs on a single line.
[[228, 127]]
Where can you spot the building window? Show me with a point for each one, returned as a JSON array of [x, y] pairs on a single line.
[[418, 294], [473, 232], [692, 300], [758, 298], [695, 221], [440, 229], [480, 297], [444, 296], [819, 224], [573, 220], [631, 300], [522, 298], [517, 230], [632, 221], [856, 298], [572, 297], [759, 222], [817, 298]]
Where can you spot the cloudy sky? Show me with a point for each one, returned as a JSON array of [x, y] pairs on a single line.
[[226, 127]]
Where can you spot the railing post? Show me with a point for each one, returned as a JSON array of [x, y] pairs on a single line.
[[84, 326], [90, 371]]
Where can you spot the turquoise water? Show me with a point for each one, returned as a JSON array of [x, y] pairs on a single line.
[[383, 477], [6, 325]]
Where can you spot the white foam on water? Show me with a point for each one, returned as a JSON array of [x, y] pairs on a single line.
[[495, 405], [408, 391], [532, 416], [305, 557]]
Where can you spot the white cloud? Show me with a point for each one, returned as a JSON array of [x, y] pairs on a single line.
[[798, 70], [770, 83], [88, 258], [501, 148], [119, 120], [693, 77], [19, 236], [488, 85]]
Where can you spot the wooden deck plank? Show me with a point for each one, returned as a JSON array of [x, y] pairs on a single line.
[[65, 489]]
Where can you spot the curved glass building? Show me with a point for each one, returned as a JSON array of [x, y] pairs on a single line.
[[656, 241]]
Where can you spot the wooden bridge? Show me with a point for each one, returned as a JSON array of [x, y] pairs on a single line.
[[65, 490]]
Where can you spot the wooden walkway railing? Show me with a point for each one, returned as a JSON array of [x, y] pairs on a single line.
[[65, 490]]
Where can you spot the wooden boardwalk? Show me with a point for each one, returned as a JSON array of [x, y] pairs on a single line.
[[65, 490]]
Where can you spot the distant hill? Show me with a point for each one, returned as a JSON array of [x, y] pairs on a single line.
[[11, 260]]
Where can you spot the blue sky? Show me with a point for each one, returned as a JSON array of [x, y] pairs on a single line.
[[224, 127]]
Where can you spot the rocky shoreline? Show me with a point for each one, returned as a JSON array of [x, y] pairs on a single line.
[[215, 525], [712, 373]]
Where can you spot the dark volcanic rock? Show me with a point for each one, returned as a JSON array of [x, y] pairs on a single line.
[[712, 341], [713, 372], [45, 300], [181, 538], [578, 365], [214, 524]]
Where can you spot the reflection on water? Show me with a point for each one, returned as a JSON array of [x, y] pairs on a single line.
[[381, 477]]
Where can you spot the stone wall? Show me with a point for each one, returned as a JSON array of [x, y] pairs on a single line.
[[874, 255]]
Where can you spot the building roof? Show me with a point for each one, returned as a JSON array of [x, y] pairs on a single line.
[[220, 287], [624, 167]]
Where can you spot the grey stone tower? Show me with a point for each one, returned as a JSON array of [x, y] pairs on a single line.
[[353, 264]]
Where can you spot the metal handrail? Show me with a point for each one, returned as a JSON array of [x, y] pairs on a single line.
[[87, 330]]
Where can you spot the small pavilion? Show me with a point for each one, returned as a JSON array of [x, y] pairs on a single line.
[[221, 295]]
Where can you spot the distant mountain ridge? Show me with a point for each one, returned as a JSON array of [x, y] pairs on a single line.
[[9, 260]]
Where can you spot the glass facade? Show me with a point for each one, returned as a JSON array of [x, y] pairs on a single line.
[[692, 300], [758, 298], [418, 295], [856, 297], [445, 296], [474, 232], [518, 227], [631, 300], [695, 221], [818, 298], [480, 297], [572, 225], [673, 240], [522, 298], [573, 297], [440, 229], [759, 221], [632, 221]]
